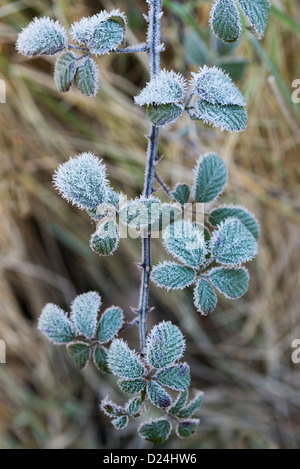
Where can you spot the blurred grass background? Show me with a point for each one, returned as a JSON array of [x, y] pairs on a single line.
[[241, 355]]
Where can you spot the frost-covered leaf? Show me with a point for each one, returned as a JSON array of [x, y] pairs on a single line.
[[84, 313], [156, 431], [170, 212], [55, 324], [100, 33], [226, 211], [187, 428], [173, 276], [106, 239], [176, 377], [164, 114], [225, 20], [42, 36], [180, 403], [185, 241], [232, 243], [110, 323], [230, 118], [64, 72], [216, 87], [257, 12], [205, 298], [124, 362], [210, 178], [165, 345], [86, 78], [111, 409], [80, 353], [131, 386], [133, 406], [141, 213], [233, 283], [158, 396], [100, 359], [120, 422], [82, 181], [181, 193], [192, 406], [164, 88]]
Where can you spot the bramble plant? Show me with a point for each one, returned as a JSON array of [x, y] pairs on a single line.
[[208, 254]]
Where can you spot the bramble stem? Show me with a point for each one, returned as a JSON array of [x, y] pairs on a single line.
[[154, 50]]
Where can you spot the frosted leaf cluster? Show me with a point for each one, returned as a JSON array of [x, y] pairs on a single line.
[[164, 88], [42, 36]]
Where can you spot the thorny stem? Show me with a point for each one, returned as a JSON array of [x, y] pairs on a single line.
[[165, 187], [154, 50]]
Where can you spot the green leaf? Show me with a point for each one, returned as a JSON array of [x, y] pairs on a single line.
[[111, 409], [172, 276], [141, 213], [133, 406], [124, 362], [232, 243], [176, 377], [180, 403], [181, 193], [156, 431], [192, 406], [131, 386], [226, 211], [107, 35], [225, 20], [230, 118], [158, 396], [257, 12], [164, 114], [80, 353], [233, 283], [214, 86], [185, 241], [187, 428], [100, 359], [210, 178], [164, 88], [106, 239], [55, 325], [205, 298], [165, 345], [120, 422], [110, 323], [84, 313], [86, 78], [64, 72]]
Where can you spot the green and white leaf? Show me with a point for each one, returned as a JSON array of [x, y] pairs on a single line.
[[55, 325], [156, 431], [257, 12], [80, 353], [245, 216], [225, 20], [185, 241], [141, 213], [86, 78], [111, 409], [64, 71], [210, 178], [192, 406], [214, 86], [106, 239], [230, 118], [165, 345], [100, 356], [187, 428], [131, 386], [123, 361], [164, 114], [164, 88], [110, 323], [172, 276], [84, 313], [176, 377], [158, 396], [205, 298], [232, 243], [180, 403], [133, 407], [181, 193], [120, 422], [233, 283]]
